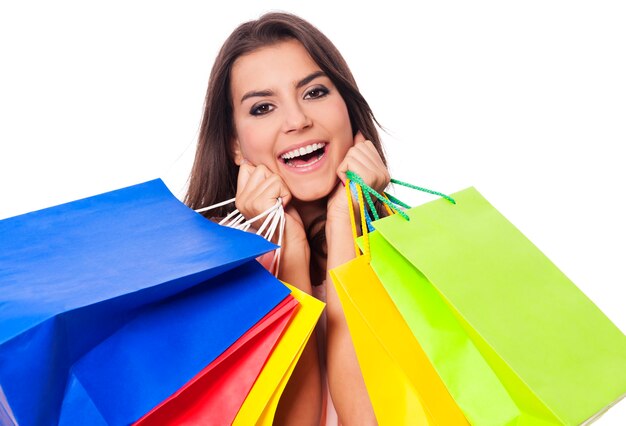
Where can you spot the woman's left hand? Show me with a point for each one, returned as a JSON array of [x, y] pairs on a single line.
[[364, 160]]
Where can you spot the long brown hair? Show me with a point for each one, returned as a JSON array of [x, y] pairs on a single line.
[[214, 173]]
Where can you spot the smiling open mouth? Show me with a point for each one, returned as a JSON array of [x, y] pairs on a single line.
[[304, 156]]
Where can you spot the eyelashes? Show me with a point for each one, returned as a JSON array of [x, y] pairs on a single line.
[[261, 109], [316, 92]]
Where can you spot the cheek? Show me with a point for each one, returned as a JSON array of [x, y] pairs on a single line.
[[254, 141], [340, 122]]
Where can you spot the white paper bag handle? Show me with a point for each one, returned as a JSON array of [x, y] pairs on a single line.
[[274, 220]]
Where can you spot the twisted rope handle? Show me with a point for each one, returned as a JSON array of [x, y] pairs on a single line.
[[419, 188], [389, 200], [368, 190]]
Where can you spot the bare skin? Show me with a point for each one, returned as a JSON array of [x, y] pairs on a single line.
[[282, 102]]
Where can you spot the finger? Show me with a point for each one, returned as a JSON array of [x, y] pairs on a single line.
[[250, 177], [358, 138], [253, 177], [365, 162], [366, 156], [275, 187], [369, 148], [365, 153], [370, 156], [260, 174], [260, 192], [245, 171], [263, 199], [353, 164]]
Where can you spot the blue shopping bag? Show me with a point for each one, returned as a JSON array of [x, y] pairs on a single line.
[[74, 277], [166, 345]]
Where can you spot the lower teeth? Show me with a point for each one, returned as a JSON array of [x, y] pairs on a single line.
[[289, 163]]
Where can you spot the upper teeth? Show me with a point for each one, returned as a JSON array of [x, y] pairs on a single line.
[[302, 151]]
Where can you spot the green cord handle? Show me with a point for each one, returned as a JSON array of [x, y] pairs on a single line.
[[357, 179], [396, 201], [370, 203], [369, 191], [419, 188]]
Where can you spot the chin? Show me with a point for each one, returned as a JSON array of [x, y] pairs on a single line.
[[313, 191]]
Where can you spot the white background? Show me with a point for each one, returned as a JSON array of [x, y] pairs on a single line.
[[524, 100]]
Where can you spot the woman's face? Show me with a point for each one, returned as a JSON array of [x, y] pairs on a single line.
[[289, 117]]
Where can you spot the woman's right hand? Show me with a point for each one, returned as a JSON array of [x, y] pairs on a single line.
[[257, 190]]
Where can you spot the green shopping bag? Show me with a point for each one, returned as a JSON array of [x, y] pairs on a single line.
[[467, 375], [559, 359]]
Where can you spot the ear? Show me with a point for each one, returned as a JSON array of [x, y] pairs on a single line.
[[236, 151]]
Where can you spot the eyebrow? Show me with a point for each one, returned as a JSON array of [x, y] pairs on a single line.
[[262, 93]]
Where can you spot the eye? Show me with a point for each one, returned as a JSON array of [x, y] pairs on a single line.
[[316, 92], [261, 109]]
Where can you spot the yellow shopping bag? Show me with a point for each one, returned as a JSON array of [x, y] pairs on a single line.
[[403, 386], [260, 405]]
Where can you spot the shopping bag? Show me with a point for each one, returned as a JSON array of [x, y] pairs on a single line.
[[167, 344], [73, 275], [467, 375], [401, 382], [559, 358], [260, 405], [214, 396]]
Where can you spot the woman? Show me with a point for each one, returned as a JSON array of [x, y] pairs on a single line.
[[284, 118]]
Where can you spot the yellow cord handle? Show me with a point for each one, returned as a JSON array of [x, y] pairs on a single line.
[[366, 241]]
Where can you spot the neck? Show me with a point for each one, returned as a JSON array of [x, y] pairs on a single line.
[[310, 211], [313, 215]]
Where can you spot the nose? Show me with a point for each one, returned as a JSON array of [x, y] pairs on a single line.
[[295, 118]]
